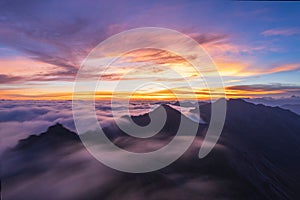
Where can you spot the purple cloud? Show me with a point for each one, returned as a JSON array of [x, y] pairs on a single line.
[[281, 32]]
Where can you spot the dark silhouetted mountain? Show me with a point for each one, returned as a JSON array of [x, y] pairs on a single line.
[[257, 157], [170, 128], [56, 135], [291, 103], [268, 140]]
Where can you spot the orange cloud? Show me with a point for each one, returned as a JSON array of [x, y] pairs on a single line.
[[24, 70], [241, 69], [239, 91], [25, 67], [285, 67], [148, 64], [234, 68]]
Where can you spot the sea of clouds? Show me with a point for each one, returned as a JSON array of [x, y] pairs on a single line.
[[19, 119]]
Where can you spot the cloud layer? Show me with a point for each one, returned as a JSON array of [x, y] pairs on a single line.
[[19, 119]]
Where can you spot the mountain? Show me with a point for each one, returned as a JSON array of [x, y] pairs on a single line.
[[291, 103], [257, 157], [56, 136], [267, 139], [170, 127]]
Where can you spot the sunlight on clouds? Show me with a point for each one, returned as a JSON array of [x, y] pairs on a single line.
[[153, 63], [135, 68], [21, 66]]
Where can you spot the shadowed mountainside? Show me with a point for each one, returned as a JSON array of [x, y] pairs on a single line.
[[257, 157]]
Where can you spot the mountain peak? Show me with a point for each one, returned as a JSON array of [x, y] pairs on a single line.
[[55, 135], [168, 109], [56, 127], [173, 120]]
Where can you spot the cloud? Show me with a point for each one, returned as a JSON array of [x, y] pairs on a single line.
[[19, 119], [268, 87], [232, 68], [9, 79], [53, 38], [155, 56], [290, 100], [208, 38], [57, 33], [285, 67], [281, 32], [13, 131], [26, 69], [256, 90]]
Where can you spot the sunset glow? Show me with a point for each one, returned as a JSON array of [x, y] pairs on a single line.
[[42, 65]]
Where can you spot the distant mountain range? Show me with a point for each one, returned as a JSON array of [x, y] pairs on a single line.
[[257, 157], [290, 103]]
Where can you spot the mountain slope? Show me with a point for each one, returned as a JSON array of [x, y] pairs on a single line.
[[268, 139]]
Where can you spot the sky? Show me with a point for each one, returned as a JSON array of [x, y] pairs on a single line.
[[255, 46]]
